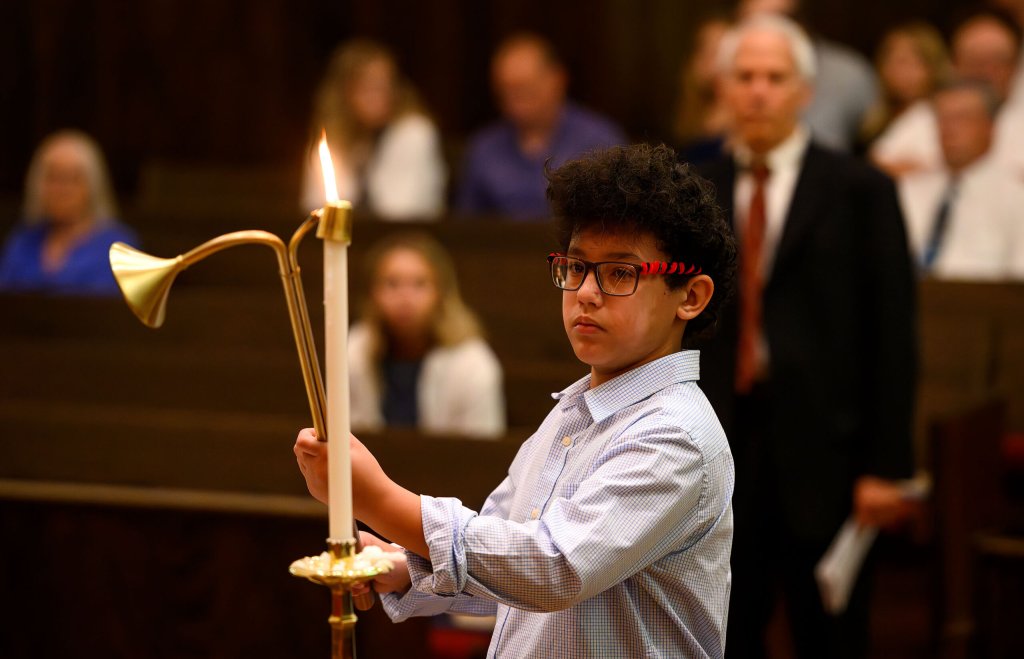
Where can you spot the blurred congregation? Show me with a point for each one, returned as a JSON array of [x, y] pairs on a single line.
[[869, 155]]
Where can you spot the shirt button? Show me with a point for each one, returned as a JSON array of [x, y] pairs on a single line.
[[567, 441], [535, 513]]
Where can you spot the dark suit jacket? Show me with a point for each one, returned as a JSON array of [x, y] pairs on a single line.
[[839, 318]]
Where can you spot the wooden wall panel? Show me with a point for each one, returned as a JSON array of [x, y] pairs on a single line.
[[230, 81]]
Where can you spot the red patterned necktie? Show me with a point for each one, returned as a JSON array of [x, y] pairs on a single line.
[[751, 284]]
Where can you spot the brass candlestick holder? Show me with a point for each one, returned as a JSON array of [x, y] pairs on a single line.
[[340, 569], [146, 281]]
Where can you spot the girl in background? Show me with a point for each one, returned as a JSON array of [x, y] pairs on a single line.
[[417, 358]]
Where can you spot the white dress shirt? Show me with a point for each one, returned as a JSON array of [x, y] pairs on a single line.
[[783, 163], [914, 137], [984, 236]]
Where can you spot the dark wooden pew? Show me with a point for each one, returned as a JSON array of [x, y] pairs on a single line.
[[139, 531], [972, 350]]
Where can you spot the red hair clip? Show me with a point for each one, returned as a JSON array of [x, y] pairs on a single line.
[[656, 267], [669, 268]]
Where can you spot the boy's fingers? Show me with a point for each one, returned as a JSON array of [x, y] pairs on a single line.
[[363, 601], [309, 447]]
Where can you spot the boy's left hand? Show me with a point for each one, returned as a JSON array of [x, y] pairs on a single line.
[[395, 581]]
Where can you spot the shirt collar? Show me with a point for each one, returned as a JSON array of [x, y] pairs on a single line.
[[633, 386], [978, 167], [786, 155]]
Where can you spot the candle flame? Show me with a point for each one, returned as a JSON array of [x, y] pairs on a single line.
[[330, 183]]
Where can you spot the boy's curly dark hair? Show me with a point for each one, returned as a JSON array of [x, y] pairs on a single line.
[[645, 189]]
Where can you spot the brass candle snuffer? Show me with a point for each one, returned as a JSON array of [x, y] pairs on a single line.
[[146, 281]]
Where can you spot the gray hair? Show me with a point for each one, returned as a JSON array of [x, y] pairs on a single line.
[[799, 43], [102, 203]]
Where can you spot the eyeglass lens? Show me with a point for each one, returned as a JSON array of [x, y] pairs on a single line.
[[612, 278]]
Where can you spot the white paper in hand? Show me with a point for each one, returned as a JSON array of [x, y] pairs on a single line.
[[837, 571]]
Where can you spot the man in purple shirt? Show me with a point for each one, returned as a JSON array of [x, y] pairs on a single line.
[[503, 173]]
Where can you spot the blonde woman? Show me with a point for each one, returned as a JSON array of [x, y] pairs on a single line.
[[386, 150], [417, 358], [61, 246], [912, 62]]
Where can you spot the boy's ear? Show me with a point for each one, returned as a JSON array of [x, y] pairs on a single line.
[[698, 293]]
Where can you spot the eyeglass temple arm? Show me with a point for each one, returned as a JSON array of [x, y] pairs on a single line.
[[654, 267]]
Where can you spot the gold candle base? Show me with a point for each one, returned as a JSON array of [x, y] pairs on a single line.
[[340, 569]]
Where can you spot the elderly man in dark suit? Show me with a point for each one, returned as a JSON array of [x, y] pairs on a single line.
[[813, 368]]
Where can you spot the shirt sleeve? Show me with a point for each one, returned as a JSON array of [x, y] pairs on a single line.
[[472, 195], [12, 258], [407, 178], [481, 409], [648, 495], [420, 599], [911, 137]]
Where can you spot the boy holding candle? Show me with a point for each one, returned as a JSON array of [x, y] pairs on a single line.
[[611, 534]]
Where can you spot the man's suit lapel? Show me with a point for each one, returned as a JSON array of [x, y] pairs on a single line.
[[811, 189], [723, 175]]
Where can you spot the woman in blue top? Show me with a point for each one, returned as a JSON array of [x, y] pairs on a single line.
[[62, 244]]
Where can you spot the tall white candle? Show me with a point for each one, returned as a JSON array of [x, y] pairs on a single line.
[[339, 461], [339, 465]]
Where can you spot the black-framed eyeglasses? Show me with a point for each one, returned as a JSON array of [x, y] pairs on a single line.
[[616, 278]]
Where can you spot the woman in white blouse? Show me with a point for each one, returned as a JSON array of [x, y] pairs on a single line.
[[417, 358], [386, 150]]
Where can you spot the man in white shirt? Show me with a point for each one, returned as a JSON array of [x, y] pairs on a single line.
[[986, 46], [964, 220]]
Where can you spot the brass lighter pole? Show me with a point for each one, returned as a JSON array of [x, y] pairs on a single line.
[[146, 281]]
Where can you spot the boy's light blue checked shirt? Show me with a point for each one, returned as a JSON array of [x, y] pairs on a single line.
[[610, 536]]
